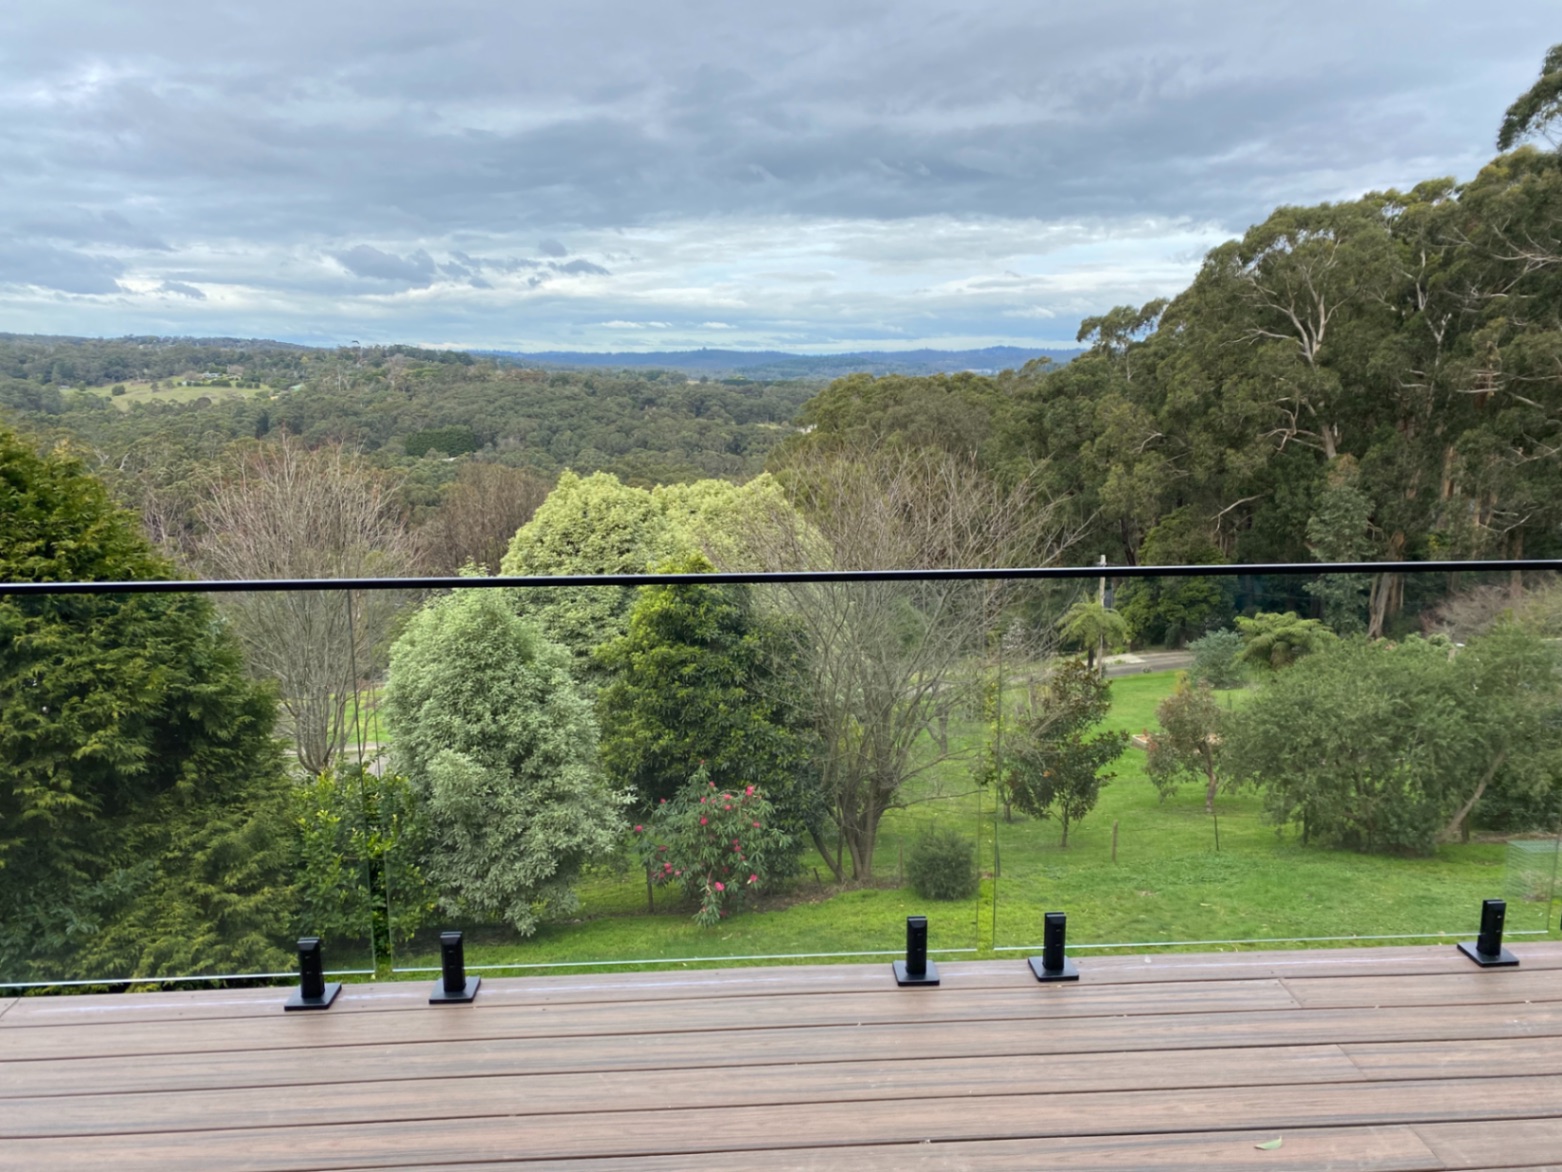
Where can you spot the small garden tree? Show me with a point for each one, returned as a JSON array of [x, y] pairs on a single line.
[[697, 678], [498, 742], [720, 846], [1190, 743], [1217, 660], [1057, 755]]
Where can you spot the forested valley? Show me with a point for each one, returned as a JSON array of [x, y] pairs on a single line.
[[188, 779]]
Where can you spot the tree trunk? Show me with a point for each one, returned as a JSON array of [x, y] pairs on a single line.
[[1456, 824], [824, 853]]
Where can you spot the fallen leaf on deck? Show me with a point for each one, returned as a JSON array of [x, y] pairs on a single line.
[[1270, 1145]]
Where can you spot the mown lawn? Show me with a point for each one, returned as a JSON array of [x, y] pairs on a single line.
[[1168, 883]]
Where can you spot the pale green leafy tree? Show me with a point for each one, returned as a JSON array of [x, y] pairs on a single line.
[[500, 746], [599, 525], [588, 525]]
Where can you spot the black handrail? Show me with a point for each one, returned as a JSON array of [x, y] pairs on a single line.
[[757, 577]]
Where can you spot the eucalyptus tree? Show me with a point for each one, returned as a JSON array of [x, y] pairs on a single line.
[[1537, 109]]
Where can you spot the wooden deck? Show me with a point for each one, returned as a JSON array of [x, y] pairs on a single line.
[[1403, 1058]]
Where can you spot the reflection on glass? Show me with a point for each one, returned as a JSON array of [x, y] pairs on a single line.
[[154, 825], [1284, 781], [714, 772]]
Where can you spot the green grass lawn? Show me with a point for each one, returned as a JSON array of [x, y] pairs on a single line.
[[1168, 883]]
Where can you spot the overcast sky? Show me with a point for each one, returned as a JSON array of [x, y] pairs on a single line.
[[614, 174]]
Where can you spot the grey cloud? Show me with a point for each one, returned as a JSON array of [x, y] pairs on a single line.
[[372, 264], [24, 262], [180, 289], [581, 267], [82, 227], [1197, 111], [509, 264]]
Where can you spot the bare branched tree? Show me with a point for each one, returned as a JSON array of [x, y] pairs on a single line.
[[885, 658], [479, 515], [286, 511]]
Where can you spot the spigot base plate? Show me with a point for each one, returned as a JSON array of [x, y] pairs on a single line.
[[1067, 973], [440, 997], [299, 1001], [902, 977], [1503, 959]]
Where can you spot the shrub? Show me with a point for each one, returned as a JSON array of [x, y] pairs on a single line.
[[360, 841], [720, 846], [942, 865], [1216, 660]]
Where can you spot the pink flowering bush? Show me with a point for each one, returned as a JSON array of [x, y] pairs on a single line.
[[719, 846]]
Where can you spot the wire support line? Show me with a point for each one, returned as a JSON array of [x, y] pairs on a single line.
[[1072, 947], [581, 964], [181, 980]]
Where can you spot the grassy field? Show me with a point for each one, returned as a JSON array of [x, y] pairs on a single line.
[[1167, 884], [143, 392]]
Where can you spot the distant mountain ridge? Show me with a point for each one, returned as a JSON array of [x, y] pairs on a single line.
[[774, 364]]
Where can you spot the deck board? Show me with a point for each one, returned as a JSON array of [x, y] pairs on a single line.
[[1361, 1059], [1040, 1039], [748, 1129]]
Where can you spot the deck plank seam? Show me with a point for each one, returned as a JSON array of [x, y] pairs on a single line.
[[1172, 1047], [1161, 1013], [1436, 1165], [1385, 1120], [797, 1144]]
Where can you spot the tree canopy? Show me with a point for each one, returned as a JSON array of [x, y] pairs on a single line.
[[139, 783]]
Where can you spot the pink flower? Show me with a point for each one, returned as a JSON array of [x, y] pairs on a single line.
[[720, 886], [734, 844], [667, 866], [749, 792], [639, 829], [726, 807], [753, 878], [702, 801], [703, 821], [756, 826]]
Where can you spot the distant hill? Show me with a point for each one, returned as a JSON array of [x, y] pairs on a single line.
[[778, 364]]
